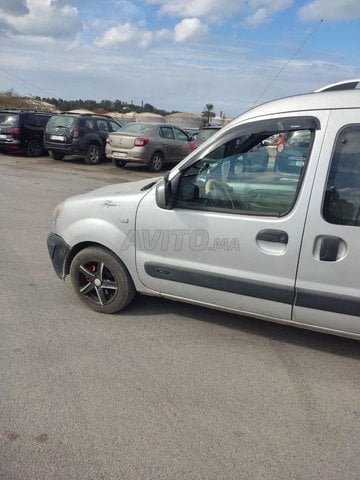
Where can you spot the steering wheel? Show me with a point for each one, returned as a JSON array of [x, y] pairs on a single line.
[[212, 185]]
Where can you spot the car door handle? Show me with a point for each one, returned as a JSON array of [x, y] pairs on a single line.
[[275, 236], [329, 248]]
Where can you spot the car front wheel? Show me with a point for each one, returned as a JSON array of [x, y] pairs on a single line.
[[101, 281], [93, 155]]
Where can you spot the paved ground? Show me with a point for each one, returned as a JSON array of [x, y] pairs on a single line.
[[164, 390]]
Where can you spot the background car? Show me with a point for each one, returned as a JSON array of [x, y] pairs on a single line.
[[291, 157], [205, 133], [79, 134], [23, 131], [151, 143]]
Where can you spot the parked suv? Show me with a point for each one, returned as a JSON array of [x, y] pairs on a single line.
[[270, 244], [79, 134], [23, 131]]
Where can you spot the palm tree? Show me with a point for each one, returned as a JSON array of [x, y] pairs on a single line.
[[208, 112]]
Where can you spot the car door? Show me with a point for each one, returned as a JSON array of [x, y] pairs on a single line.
[[103, 129], [168, 143], [328, 283], [232, 239], [183, 141]]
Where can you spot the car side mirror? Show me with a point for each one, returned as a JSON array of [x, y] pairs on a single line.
[[165, 192]]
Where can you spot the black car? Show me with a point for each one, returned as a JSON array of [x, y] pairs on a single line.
[[23, 131], [81, 134]]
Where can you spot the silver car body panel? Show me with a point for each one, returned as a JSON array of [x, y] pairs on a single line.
[[287, 284]]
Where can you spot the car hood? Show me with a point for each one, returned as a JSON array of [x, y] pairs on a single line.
[[126, 188]]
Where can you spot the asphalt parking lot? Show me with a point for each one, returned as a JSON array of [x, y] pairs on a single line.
[[162, 390]]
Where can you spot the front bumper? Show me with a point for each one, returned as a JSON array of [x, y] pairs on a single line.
[[58, 251]]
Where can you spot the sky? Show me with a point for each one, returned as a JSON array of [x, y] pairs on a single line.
[[177, 55]]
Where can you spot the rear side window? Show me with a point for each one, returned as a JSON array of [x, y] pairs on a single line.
[[9, 120], [167, 132], [102, 125], [342, 196]]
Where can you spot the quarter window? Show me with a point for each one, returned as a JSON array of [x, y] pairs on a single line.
[[342, 196]]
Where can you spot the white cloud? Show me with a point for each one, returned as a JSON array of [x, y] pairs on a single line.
[[212, 9], [265, 11], [215, 10], [126, 33], [190, 29], [43, 18], [259, 17], [330, 10]]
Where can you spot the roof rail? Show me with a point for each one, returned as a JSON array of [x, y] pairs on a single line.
[[344, 85]]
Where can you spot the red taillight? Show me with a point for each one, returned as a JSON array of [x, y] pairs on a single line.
[[141, 141], [75, 133], [13, 131], [192, 146]]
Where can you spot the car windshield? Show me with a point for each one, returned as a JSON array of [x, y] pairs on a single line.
[[138, 128], [62, 121], [206, 134], [9, 119]]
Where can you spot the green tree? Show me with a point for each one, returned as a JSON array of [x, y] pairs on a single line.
[[208, 112]]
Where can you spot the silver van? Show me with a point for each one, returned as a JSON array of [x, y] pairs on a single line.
[[280, 242]]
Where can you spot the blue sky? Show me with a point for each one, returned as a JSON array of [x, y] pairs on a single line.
[[177, 54]]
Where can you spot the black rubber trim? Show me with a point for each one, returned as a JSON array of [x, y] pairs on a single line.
[[224, 283], [335, 303], [58, 251]]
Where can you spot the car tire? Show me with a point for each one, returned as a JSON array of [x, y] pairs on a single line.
[[101, 281], [56, 155], [119, 163], [93, 155], [156, 162], [34, 148]]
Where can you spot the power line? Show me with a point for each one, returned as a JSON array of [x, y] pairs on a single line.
[[287, 63], [25, 82]]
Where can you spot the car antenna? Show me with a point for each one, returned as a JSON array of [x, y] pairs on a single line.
[[287, 63]]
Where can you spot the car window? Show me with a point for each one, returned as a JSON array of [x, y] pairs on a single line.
[[43, 120], [342, 196], [62, 121], [114, 126], [181, 135], [138, 128], [167, 132], [205, 134], [102, 125], [90, 125], [30, 119], [9, 119], [241, 175]]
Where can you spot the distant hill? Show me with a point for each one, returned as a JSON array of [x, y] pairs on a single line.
[[13, 100]]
